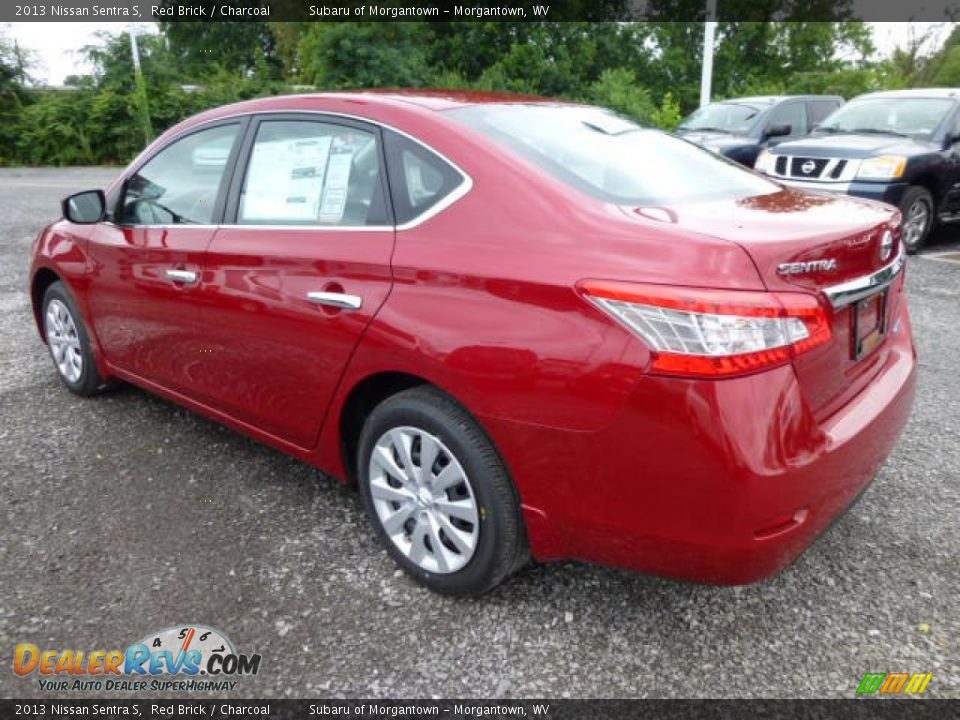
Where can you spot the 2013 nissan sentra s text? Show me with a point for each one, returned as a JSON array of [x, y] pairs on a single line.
[[522, 327]]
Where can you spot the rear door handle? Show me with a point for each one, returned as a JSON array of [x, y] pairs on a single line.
[[335, 299], [183, 276]]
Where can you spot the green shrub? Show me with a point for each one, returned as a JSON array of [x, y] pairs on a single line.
[[618, 90]]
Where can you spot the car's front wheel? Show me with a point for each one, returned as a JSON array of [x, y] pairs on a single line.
[[918, 216], [438, 494], [69, 342]]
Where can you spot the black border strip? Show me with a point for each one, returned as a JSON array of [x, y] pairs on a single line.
[[474, 10], [854, 709]]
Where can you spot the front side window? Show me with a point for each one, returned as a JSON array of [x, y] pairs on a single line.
[[727, 117], [304, 172], [793, 114], [912, 117], [613, 159], [181, 183]]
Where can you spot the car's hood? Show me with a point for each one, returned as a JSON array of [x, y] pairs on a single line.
[[852, 146]]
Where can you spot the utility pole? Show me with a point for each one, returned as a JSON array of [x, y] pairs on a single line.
[[141, 88], [709, 34], [21, 75]]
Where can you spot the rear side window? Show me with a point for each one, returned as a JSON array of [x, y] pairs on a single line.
[[181, 183], [820, 110], [419, 179], [304, 172]]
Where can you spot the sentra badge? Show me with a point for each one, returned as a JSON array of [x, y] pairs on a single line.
[[801, 268]]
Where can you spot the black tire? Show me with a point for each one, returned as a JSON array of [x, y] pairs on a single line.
[[913, 196], [89, 382], [501, 546]]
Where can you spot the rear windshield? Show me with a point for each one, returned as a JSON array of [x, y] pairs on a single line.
[[612, 158], [734, 118]]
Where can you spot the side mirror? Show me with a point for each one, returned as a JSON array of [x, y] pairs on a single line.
[[779, 130], [85, 208]]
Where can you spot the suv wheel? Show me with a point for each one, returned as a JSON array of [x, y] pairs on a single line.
[[918, 217], [69, 343], [438, 494]]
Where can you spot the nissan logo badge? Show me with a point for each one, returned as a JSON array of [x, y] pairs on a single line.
[[808, 167]]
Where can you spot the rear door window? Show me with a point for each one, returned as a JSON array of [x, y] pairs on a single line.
[[305, 172]]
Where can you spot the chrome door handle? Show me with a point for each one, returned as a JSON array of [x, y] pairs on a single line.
[[335, 299], [184, 276]]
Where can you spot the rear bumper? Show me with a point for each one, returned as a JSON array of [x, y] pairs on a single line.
[[890, 193], [716, 481]]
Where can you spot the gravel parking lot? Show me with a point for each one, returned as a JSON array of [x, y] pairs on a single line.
[[125, 514]]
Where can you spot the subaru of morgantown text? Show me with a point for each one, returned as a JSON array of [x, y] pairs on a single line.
[[523, 328]]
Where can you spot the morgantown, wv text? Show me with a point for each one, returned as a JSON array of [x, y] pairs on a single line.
[[428, 11], [414, 709]]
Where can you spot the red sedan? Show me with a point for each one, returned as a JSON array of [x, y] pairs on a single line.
[[522, 327]]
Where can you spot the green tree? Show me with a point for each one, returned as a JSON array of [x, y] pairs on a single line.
[[49, 133], [336, 55], [947, 71], [649, 71], [198, 46], [753, 55], [618, 90], [14, 94]]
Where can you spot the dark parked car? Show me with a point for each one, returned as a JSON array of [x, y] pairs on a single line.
[[741, 128], [900, 147]]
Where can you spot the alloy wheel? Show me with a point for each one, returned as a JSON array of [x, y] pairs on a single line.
[[423, 500], [915, 224], [64, 341]]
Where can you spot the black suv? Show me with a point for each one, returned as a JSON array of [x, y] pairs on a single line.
[[739, 129], [901, 147]]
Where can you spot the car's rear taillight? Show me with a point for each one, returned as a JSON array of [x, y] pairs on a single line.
[[708, 332]]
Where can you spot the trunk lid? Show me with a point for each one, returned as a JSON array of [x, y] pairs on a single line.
[[811, 243]]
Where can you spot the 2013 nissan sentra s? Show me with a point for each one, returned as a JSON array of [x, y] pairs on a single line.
[[523, 328]]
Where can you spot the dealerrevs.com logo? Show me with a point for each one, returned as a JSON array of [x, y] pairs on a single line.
[[180, 658], [894, 683]]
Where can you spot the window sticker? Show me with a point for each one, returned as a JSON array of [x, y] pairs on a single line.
[[335, 191], [285, 179]]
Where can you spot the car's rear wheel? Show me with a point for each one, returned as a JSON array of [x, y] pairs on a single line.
[[438, 494], [918, 216], [69, 342]]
